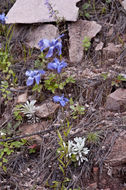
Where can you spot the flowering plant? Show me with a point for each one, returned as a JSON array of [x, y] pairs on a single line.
[[34, 75], [57, 65], [61, 99], [76, 148], [52, 45], [3, 18]]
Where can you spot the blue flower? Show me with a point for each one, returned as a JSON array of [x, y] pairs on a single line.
[[2, 18], [34, 75], [56, 64], [54, 44], [61, 100]]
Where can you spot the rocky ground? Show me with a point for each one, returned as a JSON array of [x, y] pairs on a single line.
[[100, 87]]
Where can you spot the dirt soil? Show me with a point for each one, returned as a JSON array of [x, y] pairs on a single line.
[[32, 171]]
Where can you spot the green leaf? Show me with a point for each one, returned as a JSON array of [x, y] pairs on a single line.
[[5, 160], [59, 135], [85, 6], [61, 168], [73, 107], [4, 169], [61, 162]]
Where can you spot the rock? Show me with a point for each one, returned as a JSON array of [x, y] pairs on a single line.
[[92, 186], [124, 4], [33, 34], [99, 46], [111, 51], [47, 109], [47, 31], [22, 98], [117, 156], [116, 101], [33, 128], [77, 32], [35, 11]]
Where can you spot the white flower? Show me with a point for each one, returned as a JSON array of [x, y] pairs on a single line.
[[77, 148]]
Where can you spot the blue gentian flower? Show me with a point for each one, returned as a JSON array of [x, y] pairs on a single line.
[[61, 100], [56, 64], [2, 18], [34, 75], [54, 44]]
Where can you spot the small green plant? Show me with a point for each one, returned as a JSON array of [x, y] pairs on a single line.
[[17, 112], [6, 93], [55, 81], [86, 43], [7, 148], [92, 137], [76, 109], [63, 158], [29, 109], [120, 78], [11, 128], [41, 62], [37, 88], [84, 11], [5, 65], [7, 74], [105, 75]]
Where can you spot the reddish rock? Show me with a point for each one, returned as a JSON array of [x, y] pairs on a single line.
[[116, 101], [117, 156], [33, 128]]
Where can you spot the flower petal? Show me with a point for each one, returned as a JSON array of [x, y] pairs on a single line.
[[62, 102], [60, 36], [43, 44], [64, 64], [66, 100], [30, 81], [52, 66], [37, 78], [28, 73], [56, 98], [59, 68], [41, 72], [59, 48], [50, 52]]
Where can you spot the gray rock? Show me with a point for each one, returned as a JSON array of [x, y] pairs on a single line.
[[35, 11], [47, 109], [111, 51], [116, 101], [124, 4], [33, 34], [77, 32], [22, 97], [99, 46]]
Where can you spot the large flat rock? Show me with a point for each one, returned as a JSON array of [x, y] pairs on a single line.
[[35, 11], [33, 34], [77, 32]]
